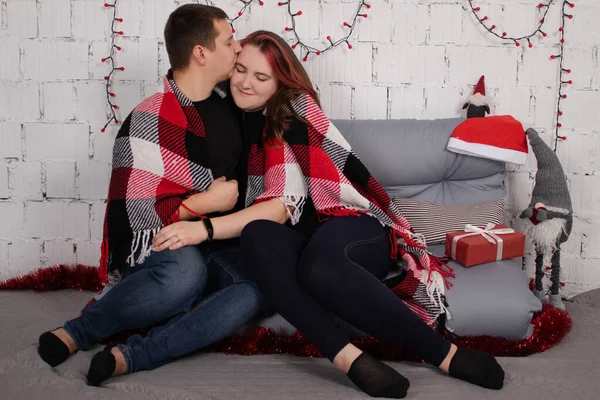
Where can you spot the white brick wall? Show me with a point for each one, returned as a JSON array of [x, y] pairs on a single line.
[[411, 59]]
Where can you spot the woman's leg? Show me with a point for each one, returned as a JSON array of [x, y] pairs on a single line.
[[272, 250], [342, 268]]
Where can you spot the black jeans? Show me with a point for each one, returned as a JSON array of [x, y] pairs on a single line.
[[337, 271]]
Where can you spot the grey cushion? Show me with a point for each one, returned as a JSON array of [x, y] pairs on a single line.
[[410, 160], [490, 299]]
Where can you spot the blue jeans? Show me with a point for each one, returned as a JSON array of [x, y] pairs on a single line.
[[166, 284], [230, 300], [172, 286]]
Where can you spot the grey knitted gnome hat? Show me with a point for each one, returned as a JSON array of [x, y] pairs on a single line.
[[550, 183]]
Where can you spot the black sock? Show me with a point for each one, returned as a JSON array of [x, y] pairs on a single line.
[[478, 368], [102, 367], [52, 350], [377, 379]]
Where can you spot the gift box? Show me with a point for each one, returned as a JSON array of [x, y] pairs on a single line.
[[475, 245]]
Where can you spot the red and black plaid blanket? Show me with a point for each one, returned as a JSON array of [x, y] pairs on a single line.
[[159, 159], [324, 167]]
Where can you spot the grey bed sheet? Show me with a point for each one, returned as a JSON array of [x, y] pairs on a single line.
[[570, 370]]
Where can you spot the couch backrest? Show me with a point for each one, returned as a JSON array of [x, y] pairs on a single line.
[[410, 160]]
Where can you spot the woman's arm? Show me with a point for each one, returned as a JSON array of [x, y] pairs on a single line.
[[231, 226], [187, 233]]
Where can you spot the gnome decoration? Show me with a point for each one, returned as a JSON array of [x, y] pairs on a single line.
[[549, 217], [478, 103]]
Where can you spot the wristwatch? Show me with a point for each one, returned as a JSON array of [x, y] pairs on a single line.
[[209, 228]]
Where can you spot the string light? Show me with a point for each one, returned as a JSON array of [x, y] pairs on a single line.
[[562, 70], [308, 50], [111, 62], [544, 8], [245, 4]]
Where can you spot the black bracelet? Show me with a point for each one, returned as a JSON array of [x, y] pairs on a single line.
[[209, 228]]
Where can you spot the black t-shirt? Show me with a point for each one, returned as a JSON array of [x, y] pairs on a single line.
[[223, 137], [253, 124]]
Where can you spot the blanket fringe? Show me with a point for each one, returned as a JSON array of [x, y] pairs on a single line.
[[297, 204], [439, 265], [142, 241], [435, 290], [438, 280], [435, 277]]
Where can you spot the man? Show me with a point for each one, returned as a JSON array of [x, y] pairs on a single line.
[[166, 156]]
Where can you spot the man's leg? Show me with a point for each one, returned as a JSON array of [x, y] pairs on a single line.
[[214, 317], [166, 284]]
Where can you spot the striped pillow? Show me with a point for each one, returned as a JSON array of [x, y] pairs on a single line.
[[434, 220]]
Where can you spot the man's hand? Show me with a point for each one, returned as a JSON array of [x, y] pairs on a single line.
[[179, 234], [223, 194]]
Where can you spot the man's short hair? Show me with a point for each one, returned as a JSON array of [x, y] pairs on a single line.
[[187, 27]]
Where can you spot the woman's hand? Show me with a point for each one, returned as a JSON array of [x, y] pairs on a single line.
[[179, 234]]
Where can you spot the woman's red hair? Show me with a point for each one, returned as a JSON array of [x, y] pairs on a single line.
[[292, 80]]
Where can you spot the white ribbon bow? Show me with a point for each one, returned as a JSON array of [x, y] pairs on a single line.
[[490, 234]]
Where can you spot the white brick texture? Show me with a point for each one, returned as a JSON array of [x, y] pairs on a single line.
[[60, 179], [410, 59], [58, 252], [10, 137]]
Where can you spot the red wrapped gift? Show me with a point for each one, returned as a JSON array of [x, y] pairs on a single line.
[[475, 245]]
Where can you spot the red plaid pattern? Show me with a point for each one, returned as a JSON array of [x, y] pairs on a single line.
[[152, 174]]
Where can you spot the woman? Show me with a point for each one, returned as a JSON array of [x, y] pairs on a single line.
[[330, 253]]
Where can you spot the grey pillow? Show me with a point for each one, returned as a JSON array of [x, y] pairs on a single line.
[[434, 220], [490, 299]]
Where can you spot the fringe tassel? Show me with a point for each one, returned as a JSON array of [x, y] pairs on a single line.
[[437, 278], [295, 202], [141, 242], [438, 264], [435, 289]]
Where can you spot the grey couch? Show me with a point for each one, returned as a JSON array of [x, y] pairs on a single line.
[[410, 160]]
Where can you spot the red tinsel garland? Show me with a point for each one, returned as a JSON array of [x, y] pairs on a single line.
[[550, 325], [79, 277]]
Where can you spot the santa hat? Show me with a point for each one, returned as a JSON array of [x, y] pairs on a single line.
[[478, 98], [499, 138]]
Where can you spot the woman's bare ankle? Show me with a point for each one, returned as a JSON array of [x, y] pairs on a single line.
[[344, 359], [445, 365], [66, 339]]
